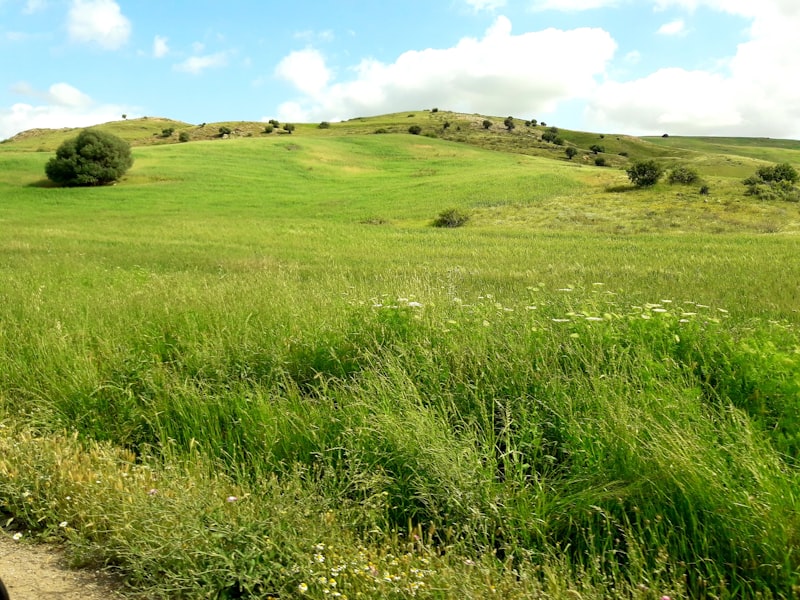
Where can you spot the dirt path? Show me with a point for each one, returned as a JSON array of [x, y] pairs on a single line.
[[36, 572]]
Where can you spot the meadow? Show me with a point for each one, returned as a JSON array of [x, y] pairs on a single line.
[[253, 369]]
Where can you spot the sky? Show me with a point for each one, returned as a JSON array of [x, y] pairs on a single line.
[[639, 67]]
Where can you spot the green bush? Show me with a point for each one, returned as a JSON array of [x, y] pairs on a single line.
[[415, 130], [269, 129], [684, 175], [183, 136], [224, 131], [166, 133], [92, 158], [487, 123], [600, 161], [596, 148], [774, 182], [645, 173], [570, 152], [452, 217], [324, 125]]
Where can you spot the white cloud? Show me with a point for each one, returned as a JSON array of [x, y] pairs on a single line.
[[160, 46], [676, 27], [33, 6], [755, 94], [62, 105], [479, 5], [498, 74], [197, 64], [634, 57], [98, 21], [306, 70]]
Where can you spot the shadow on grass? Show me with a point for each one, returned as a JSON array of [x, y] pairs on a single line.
[[621, 188], [43, 183]]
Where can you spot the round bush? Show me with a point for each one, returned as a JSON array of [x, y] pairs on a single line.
[[645, 173], [92, 158], [683, 175]]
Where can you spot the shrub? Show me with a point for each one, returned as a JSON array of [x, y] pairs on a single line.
[[645, 173], [324, 125], [600, 161], [570, 152], [777, 173], [683, 175], [274, 123], [415, 130], [288, 128], [509, 123], [549, 136], [452, 217], [224, 131], [596, 148], [625, 154], [381, 130], [92, 158], [558, 141], [774, 183], [165, 133], [534, 122], [704, 191], [446, 125], [435, 110], [183, 136], [487, 123], [269, 129]]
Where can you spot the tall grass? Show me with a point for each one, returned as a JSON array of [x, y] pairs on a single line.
[[244, 390]]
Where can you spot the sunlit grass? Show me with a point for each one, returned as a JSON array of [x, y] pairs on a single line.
[[253, 364]]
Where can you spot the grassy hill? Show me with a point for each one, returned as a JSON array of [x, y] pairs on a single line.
[[253, 368]]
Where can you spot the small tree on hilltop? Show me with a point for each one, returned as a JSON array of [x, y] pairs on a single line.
[[509, 123], [645, 173], [92, 158], [596, 148]]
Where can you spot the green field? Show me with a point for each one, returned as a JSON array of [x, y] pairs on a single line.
[[253, 368]]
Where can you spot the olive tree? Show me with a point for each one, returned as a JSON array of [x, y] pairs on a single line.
[[92, 158]]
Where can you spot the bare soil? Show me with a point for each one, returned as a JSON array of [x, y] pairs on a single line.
[[38, 572]]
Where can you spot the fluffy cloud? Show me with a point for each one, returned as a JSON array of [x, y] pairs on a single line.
[[98, 21], [197, 64], [306, 70], [498, 74], [676, 27], [754, 95], [160, 47], [62, 105]]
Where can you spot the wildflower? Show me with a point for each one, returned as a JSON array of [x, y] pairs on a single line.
[[231, 499], [152, 492], [659, 310], [415, 304], [560, 320], [319, 547], [319, 558], [63, 524], [303, 588], [594, 318], [17, 537]]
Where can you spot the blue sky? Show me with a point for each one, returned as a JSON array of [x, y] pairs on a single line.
[[693, 67]]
